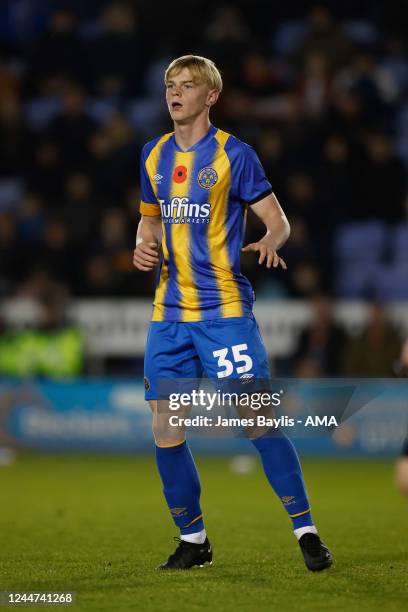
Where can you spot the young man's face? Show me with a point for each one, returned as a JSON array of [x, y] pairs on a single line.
[[186, 99]]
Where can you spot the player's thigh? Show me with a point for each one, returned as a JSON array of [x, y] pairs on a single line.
[[231, 348], [170, 357], [235, 359]]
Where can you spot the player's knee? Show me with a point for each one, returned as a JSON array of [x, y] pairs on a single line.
[[164, 433], [168, 439], [153, 405], [401, 475]]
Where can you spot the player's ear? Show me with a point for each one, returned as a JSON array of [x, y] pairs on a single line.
[[212, 97]]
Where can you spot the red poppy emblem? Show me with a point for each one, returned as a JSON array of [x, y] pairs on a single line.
[[179, 174]]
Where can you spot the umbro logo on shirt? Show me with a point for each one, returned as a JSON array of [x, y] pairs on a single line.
[[157, 178]]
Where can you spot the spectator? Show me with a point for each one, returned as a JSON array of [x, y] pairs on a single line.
[[320, 346], [31, 219], [305, 279], [15, 137], [336, 179], [80, 211], [98, 276], [381, 184], [117, 55], [271, 149], [54, 349], [314, 85], [226, 39], [71, 129], [115, 156], [10, 254], [45, 173], [56, 254], [325, 36], [57, 56], [375, 351]]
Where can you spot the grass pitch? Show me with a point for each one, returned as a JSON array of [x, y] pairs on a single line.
[[98, 526]]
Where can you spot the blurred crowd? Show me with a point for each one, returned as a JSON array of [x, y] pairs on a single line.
[[325, 349], [319, 90]]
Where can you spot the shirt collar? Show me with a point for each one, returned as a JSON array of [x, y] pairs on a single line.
[[200, 143]]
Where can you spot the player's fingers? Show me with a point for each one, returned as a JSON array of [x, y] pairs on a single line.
[[269, 259], [140, 266], [148, 248], [146, 257], [263, 251], [146, 262], [248, 247], [276, 260], [283, 263], [142, 261]]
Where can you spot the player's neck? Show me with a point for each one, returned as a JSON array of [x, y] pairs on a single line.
[[187, 135]]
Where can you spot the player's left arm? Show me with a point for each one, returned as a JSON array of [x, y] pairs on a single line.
[[277, 226]]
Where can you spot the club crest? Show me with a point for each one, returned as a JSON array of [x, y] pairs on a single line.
[[207, 177]]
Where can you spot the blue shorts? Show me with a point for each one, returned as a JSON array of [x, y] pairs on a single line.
[[219, 349]]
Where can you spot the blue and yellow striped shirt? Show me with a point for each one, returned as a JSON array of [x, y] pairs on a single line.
[[202, 196]]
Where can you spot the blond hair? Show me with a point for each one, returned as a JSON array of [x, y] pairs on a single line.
[[202, 70]]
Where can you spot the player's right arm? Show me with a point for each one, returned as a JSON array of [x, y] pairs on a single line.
[[148, 240], [149, 231]]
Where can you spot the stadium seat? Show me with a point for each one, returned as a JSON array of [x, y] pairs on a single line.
[[39, 112], [361, 32], [145, 112], [11, 192], [401, 138], [355, 280], [288, 36], [360, 241], [400, 242], [392, 282]]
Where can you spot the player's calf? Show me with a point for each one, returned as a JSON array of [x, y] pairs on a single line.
[[401, 475]]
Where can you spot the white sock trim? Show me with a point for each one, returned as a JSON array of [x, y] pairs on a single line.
[[195, 538], [302, 530]]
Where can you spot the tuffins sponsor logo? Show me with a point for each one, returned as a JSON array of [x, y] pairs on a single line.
[[207, 177], [182, 210]]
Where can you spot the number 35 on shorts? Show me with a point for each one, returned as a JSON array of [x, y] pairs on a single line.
[[233, 360]]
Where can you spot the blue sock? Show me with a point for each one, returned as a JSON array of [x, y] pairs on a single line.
[[282, 468], [181, 486]]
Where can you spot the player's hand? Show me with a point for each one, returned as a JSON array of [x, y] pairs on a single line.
[[146, 256], [265, 254]]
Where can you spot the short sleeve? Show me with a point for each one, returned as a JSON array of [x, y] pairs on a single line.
[[148, 205], [252, 183]]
